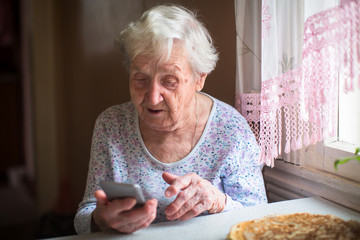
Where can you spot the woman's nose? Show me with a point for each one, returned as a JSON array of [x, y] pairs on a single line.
[[154, 94]]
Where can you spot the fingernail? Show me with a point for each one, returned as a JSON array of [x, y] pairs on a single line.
[[169, 217], [167, 194], [168, 211]]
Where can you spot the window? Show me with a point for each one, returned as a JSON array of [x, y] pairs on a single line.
[[348, 135], [349, 116]]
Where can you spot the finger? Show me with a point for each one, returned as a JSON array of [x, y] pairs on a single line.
[[168, 177], [150, 206], [178, 184], [186, 207], [136, 214], [144, 222], [147, 222], [195, 211], [136, 218], [132, 227], [148, 209], [183, 202], [101, 197], [113, 210], [123, 204], [201, 203]]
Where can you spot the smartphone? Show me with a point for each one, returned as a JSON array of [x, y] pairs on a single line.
[[114, 190]]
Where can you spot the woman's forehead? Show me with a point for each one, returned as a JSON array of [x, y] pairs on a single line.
[[178, 61]]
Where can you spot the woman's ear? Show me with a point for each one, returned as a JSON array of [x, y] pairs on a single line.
[[201, 82]]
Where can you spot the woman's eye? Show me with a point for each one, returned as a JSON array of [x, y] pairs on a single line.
[[140, 79], [170, 82]]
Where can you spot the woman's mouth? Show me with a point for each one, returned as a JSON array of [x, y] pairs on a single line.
[[154, 111]]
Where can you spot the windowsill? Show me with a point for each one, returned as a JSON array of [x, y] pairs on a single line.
[[339, 149], [336, 150], [289, 181]]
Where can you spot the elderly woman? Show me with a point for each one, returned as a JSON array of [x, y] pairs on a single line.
[[191, 153]]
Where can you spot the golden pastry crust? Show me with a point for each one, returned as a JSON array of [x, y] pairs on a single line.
[[296, 226]]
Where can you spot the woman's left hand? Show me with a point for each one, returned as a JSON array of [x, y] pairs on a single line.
[[194, 196]]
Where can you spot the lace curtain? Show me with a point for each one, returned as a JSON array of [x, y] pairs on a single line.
[[287, 84]]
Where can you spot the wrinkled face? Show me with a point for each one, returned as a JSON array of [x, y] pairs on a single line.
[[163, 92]]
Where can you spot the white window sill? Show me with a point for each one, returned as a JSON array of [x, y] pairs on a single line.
[[339, 149], [336, 150]]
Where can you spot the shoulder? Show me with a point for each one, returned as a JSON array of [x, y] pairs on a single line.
[[225, 114], [232, 125], [117, 111], [122, 114], [114, 121]]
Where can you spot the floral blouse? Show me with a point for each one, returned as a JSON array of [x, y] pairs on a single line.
[[227, 155]]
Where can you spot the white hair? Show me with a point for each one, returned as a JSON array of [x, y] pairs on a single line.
[[157, 29]]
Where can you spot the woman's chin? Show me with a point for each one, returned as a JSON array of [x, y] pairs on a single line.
[[161, 128], [157, 125]]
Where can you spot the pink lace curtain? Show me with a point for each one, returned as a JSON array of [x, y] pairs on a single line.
[[297, 105]]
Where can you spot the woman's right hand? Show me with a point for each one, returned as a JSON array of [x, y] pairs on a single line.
[[121, 215]]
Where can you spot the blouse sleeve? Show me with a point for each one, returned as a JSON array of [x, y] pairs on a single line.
[[243, 180], [98, 170]]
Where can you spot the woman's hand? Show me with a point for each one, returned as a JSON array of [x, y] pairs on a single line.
[[121, 215], [194, 196]]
